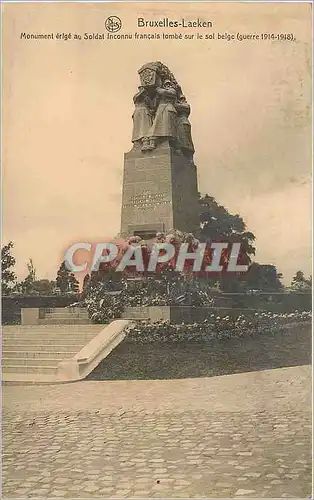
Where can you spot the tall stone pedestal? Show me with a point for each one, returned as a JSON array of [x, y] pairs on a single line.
[[159, 193]]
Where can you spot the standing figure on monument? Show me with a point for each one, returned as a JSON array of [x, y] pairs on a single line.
[[185, 142], [142, 118], [165, 122]]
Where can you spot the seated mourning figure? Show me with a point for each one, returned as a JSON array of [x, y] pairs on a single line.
[[161, 112]]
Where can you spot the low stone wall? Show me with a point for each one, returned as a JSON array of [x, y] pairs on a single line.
[[31, 316], [58, 315], [183, 314], [12, 305]]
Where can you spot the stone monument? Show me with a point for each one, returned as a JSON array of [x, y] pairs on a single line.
[[160, 180]]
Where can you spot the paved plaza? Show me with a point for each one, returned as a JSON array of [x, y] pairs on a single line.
[[242, 435]]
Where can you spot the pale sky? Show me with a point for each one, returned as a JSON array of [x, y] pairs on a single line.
[[67, 122]]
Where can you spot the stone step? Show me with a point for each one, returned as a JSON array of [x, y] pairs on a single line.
[[76, 337], [60, 317], [38, 343], [49, 331], [30, 369], [30, 361], [64, 321], [51, 345], [71, 332], [53, 328], [23, 347], [68, 312], [30, 354], [65, 309]]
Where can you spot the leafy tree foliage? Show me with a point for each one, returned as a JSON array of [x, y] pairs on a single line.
[[263, 277], [217, 224], [300, 283], [8, 276], [86, 281], [44, 287], [66, 281], [26, 286]]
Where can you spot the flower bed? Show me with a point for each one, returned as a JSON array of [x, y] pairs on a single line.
[[103, 306], [216, 327]]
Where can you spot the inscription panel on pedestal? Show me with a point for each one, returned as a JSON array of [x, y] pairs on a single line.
[[146, 199], [159, 188]]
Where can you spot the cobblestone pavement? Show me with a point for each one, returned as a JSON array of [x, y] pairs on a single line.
[[243, 435]]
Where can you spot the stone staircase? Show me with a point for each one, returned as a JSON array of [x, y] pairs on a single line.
[[30, 351], [65, 316]]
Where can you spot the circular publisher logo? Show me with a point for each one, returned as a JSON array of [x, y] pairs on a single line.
[[113, 24]]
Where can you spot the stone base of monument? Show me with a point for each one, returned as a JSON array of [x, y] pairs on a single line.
[[159, 193], [181, 314]]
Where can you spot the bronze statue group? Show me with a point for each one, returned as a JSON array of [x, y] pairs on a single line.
[[161, 112]]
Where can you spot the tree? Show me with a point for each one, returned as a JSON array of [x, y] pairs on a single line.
[[263, 277], [66, 281], [26, 286], [86, 281], [300, 283], [43, 287], [32, 286], [217, 224], [8, 276]]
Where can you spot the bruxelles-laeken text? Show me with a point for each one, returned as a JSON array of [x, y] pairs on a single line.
[[168, 23]]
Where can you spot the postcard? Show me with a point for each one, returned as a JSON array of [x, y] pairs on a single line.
[[157, 249]]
